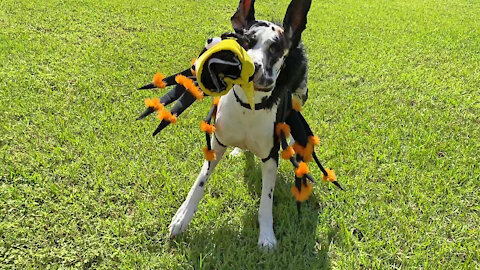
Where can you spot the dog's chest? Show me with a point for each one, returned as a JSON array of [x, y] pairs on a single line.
[[241, 127]]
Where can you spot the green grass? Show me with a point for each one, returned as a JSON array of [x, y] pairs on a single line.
[[394, 98]]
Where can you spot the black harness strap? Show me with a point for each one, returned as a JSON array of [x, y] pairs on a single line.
[[258, 106], [221, 144], [273, 153]]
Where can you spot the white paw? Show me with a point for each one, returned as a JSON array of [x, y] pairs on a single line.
[[181, 220], [236, 152], [267, 240]]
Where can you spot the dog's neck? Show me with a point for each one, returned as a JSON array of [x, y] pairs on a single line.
[[258, 98]]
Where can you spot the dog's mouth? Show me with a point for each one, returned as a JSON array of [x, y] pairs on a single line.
[[262, 83]]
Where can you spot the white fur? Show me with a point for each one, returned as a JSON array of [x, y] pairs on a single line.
[[265, 37], [265, 219], [185, 213], [244, 128], [247, 129]]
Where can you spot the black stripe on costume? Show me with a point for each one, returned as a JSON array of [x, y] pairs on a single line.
[[173, 94], [170, 80], [185, 100]]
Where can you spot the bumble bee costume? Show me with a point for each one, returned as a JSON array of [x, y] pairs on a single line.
[[222, 64]]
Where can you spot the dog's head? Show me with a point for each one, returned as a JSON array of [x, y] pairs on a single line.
[[268, 43]]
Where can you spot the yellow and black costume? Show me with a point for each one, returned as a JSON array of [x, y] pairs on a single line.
[[222, 64]]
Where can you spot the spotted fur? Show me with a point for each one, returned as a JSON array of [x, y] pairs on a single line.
[[280, 65]]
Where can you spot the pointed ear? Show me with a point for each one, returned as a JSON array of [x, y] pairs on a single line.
[[295, 21], [244, 16]]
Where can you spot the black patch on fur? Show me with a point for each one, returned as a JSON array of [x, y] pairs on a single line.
[[291, 76], [251, 43], [201, 184], [274, 53], [269, 195], [277, 48]]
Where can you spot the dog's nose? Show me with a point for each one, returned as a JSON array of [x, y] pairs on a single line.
[[268, 81]]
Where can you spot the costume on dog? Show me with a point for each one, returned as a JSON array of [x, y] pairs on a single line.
[[223, 63]]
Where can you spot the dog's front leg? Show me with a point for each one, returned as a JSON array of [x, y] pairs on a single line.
[[265, 219], [185, 213]]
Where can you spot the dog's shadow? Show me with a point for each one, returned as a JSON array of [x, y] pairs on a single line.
[[226, 245]]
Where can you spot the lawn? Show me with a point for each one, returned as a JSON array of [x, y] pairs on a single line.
[[394, 98]]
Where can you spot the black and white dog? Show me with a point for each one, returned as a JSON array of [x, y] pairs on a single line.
[[280, 65]]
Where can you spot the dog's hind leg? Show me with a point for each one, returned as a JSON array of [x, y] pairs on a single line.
[[185, 213], [267, 238]]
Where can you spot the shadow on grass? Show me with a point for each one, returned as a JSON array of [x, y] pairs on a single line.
[[226, 245]]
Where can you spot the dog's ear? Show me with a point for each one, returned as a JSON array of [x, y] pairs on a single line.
[[295, 21], [244, 16]]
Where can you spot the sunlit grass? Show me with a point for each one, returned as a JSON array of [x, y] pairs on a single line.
[[394, 98]]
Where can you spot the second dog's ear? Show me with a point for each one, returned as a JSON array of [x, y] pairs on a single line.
[[244, 16], [295, 21]]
